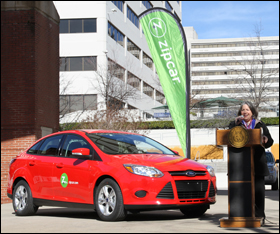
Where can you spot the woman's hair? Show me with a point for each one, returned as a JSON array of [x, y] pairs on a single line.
[[252, 108]]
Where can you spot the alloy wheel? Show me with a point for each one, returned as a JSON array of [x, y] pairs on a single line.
[[21, 196], [107, 200]]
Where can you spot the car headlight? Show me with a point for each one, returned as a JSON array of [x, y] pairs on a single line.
[[143, 170], [211, 170]]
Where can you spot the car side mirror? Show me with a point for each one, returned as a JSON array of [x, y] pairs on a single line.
[[175, 152], [81, 153], [277, 161]]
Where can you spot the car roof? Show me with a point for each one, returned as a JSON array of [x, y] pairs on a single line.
[[95, 131], [79, 131]]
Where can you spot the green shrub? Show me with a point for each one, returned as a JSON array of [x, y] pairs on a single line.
[[211, 123], [271, 121]]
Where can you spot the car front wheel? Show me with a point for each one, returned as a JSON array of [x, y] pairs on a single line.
[[108, 201], [23, 200]]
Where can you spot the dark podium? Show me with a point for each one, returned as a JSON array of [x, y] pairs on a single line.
[[241, 184]]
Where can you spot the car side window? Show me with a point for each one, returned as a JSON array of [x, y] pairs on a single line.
[[50, 146], [34, 148], [74, 142]]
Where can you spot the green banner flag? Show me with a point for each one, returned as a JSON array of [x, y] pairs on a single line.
[[167, 43]]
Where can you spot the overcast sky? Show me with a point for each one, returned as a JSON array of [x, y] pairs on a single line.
[[231, 19]]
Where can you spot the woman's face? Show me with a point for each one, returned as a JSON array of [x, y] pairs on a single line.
[[246, 112]]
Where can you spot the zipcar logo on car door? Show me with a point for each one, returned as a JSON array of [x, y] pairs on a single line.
[[64, 180]]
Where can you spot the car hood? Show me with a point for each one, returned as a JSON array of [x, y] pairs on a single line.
[[161, 162]]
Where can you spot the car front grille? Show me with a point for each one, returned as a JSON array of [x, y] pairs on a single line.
[[166, 192], [189, 189], [183, 173]]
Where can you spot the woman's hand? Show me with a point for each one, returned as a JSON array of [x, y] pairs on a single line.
[[239, 119]]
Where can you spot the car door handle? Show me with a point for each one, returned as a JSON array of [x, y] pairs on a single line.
[[33, 163], [60, 165]]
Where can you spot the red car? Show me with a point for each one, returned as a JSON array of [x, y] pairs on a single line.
[[110, 171]]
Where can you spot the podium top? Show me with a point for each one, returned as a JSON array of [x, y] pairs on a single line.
[[254, 135]]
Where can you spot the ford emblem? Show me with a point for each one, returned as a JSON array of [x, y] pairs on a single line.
[[190, 173]]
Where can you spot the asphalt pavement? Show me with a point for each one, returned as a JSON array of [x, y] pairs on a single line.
[[68, 220]]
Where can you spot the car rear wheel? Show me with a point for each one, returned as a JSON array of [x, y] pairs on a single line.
[[108, 201], [194, 212], [23, 200]]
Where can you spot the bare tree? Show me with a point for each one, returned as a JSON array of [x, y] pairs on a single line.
[[110, 84], [115, 119], [255, 74], [115, 89]]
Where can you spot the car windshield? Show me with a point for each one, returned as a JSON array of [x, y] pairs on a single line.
[[269, 157], [115, 143]]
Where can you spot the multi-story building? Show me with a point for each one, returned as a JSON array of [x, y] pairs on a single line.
[[229, 67], [96, 33]]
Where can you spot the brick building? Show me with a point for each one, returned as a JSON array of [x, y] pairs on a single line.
[[29, 77]]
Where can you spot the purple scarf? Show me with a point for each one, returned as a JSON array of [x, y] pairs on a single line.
[[251, 125]]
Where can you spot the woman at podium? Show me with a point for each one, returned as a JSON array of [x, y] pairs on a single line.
[[247, 118]]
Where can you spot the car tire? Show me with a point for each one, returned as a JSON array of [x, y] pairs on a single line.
[[194, 212], [108, 201], [22, 200], [274, 186]]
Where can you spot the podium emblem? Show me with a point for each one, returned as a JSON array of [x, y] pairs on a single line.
[[238, 137]]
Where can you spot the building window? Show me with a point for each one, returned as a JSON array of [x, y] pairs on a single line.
[[133, 49], [133, 81], [71, 103], [115, 34], [89, 25], [147, 4], [63, 26], [78, 63], [77, 26], [90, 63], [118, 4], [167, 6], [115, 104], [147, 60], [160, 97], [148, 90], [132, 17], [116, 70], [237, 44]]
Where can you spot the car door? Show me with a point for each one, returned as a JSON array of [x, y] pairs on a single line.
[[40, 166], [72, 174]]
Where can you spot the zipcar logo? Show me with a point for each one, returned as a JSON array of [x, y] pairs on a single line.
[[157, 27]]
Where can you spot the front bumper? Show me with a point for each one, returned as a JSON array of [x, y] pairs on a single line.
[[162, 207], [169, 192]]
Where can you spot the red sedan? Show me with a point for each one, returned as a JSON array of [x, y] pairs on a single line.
[[110, 171]]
